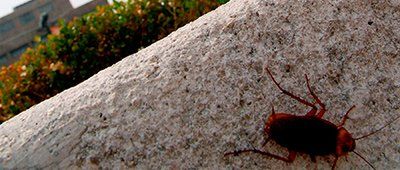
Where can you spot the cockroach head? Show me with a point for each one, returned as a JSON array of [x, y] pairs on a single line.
[[345, 143]]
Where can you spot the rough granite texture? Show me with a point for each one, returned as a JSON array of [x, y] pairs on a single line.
[[202, 91]]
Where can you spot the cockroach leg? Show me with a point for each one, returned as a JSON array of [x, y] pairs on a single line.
[[313, 159], [289, 159], [321, 113], [312, 112], [322, 105], [273, 110], [334, 162], [291, 94], [292, 156], [345, 117]]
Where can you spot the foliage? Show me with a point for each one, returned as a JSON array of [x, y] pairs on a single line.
[[89, 44]]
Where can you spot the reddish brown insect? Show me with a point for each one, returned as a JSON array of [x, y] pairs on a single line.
[[308, 134]]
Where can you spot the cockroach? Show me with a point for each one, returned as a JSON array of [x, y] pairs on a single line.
[[309, 134]]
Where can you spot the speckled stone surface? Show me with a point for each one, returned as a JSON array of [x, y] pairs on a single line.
[[202, 91]]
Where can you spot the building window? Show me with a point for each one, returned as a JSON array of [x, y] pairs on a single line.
[[46, 8], [26, 18], [3, 59], [6, 26], [17, 52]]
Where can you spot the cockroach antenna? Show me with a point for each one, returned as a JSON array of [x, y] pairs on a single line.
[[364, 159], [364, 136], [387, 124]]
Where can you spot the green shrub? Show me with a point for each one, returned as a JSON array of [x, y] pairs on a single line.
[[89, 44]]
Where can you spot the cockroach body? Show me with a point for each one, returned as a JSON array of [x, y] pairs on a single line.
[[309, 134]]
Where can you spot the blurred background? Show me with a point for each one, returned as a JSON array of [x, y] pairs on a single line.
[[47, 46], [21, 20]]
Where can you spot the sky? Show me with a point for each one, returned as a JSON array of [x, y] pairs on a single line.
[[6, 6]]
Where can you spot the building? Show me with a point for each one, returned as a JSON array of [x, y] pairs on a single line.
[[18, 29]]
